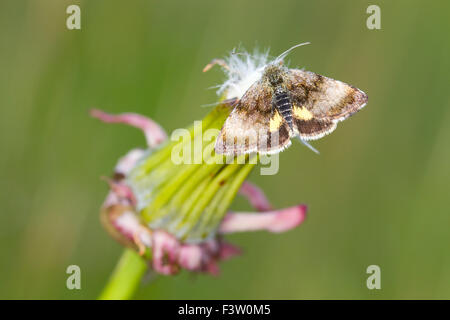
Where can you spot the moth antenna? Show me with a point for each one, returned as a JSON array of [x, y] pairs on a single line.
[[210, 105], [284, 54], [309, 146], [231, 102]]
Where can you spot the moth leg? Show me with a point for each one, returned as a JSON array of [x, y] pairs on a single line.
[[309, 146], [219, 62], [230, 102]]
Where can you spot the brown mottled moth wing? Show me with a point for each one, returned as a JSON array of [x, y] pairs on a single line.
[[253, 125], [319, 103]]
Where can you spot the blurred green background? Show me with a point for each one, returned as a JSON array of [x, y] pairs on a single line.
[[378, 193]]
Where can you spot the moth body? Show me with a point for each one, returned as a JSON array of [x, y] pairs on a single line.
[[274, 76], [282, 103]]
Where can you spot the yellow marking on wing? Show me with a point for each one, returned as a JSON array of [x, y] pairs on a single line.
[[275, 122], [302, 113]]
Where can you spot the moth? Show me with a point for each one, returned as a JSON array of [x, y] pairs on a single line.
[[284, 103]]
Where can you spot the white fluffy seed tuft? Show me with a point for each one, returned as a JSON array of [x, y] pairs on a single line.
[[244, 70]]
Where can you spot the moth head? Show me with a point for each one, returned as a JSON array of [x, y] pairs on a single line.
[[274, 74]]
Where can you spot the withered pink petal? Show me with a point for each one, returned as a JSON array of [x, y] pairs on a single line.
[[112, 199], [191, 257], [212, 267], [153, 132], [227, 251], [121, 190], [255, 196], [165, 252], [215, 251], [273, 221], [127, 162], [129, 225]]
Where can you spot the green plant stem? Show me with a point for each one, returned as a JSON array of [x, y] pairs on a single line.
[[126, 277]]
